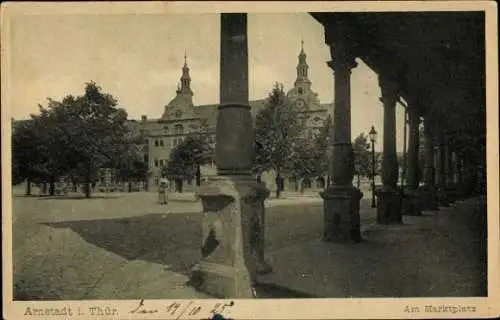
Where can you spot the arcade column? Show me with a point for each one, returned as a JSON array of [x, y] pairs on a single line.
[[428, 190], [390, 195], [341, 198]]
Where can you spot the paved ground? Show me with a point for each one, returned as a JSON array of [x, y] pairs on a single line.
[[120, 246], [441, 254], [127, 246]]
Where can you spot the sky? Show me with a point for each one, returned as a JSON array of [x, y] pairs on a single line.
[[138, 59]]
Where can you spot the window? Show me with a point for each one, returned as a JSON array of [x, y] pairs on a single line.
[[156, 143], [156, 162], [177, 141], [301, 91], [161, 143], [178, 129]]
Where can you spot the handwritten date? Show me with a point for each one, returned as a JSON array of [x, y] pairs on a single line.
[[180, 310]]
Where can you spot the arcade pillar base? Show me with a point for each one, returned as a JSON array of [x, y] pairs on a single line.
[[341, 214], [412, 203], [389, 206], [429, 198]]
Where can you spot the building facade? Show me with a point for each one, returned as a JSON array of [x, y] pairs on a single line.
[[182, 117]]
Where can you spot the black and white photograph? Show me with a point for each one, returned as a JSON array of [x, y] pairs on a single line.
[[189, 160]]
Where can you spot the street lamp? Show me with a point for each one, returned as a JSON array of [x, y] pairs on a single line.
[[373, 137], [197, 151]]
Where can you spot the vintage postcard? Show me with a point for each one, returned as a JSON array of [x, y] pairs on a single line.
[[250, 160]]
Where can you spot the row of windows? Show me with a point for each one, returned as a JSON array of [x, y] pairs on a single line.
[[160, 163], [178, 129], [163, 162], [164, 143], [176, 141]]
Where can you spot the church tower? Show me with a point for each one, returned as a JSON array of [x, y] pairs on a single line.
[[302, 83], [185, 84]]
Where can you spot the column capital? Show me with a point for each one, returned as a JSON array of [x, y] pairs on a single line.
[[342, 57], [342, 63], [389, 101], [389, 89]]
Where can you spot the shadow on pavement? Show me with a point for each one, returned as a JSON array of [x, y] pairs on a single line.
[[175, 240], [172, 240], [75, 197]]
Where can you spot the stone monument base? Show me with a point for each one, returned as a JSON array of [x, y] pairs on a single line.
[[389, 205], [412, 203], [451, 193], [233, 233], [462, 191], [429, 198], [443, 198], [341, 214]]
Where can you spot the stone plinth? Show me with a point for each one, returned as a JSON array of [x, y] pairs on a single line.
[[341, 214], [389, 202], [412, 203], [443, 197], [462, 191], [232, 250], [451, 192], [429, 198]]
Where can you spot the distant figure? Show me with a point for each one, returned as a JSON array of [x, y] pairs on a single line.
[[162, 191]]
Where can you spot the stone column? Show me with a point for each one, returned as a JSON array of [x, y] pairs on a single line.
[[440, 172], [437, 157], [390, 195], [449, 173], [429, 170], [461, 179], [456, 173], [412, 196], [341, 198], [233, 202], [428, 190]]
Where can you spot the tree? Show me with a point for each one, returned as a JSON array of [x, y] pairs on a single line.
[[322, 148], [37, 154], [81, 134], [26, 147], [362, 157], [186, 159], [304, 161], [132, 167], [53, 151], [277, 126]]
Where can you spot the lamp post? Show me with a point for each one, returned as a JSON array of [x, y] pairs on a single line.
[[197, 152], [373, 137]]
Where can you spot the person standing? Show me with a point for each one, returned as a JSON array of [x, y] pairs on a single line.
[[162, 191]]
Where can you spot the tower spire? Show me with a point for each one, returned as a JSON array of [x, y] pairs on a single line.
[[185, 78], [302, 69], [302, 66]]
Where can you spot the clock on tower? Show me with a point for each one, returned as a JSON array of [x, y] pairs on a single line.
[[300, 104]]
